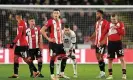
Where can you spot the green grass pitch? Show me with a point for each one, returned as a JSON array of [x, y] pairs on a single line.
[[85, 72]]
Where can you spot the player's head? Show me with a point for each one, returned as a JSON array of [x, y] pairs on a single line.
[[18, 16], [99, 14], [56, 13], [114, 18], [31, 21], [66, 29]]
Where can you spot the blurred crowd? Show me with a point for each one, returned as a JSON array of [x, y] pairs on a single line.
[[81, 22], [69, 2]]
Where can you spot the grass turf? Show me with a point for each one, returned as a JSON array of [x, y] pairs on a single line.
[[85, 72]]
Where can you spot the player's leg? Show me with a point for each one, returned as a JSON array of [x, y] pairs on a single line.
[[111, 56], [32, 67], [52, 48], [110, 68], [52, 60], [123, 64], [39, 64], [74, 67], [99, 55], [31, 57], [64, 58], [26, 55], [39, 59], [73, 58], [63, 66], [16, 66], [16, 62], [58, 65], [59, 61], [40, 67], [120, 55]]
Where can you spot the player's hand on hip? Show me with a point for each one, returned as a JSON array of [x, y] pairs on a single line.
[[51, 39], [102, 42], [12, 45]]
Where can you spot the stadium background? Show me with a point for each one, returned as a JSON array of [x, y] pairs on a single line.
[[81, 19]]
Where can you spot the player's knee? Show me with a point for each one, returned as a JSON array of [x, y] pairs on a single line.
[[122, 59], [53, 58], [110, 60], [39, 59], [98, 58], [16, 59], [26, 60], [51, 63]]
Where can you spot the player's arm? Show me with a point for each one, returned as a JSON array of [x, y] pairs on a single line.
[[73, 40], [20, 30], [44, 33], [104, 34], [105, 31], [43, 30], [121, 29]]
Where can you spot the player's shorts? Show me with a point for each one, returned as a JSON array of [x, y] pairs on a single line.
[[56, 49], [115, 48], [35, 53], [21, 51], [101, 49]]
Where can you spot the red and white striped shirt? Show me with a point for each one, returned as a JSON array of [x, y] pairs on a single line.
[[99, 27], [20, 39], [55, 30], [33, 37]]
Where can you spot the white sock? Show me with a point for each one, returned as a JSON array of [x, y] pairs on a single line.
[[74, 66], [58, 66]]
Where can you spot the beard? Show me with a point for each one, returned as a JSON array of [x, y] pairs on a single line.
[[98, 18]]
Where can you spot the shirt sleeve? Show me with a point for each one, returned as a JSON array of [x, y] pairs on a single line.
[[20, 30], [121, 29], [48, 23], [105, 31]]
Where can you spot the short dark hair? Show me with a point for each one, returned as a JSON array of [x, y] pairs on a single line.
[[56, 10], [19, 13], [100, 11], [67, 26], [31, 17], [113, 15]]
